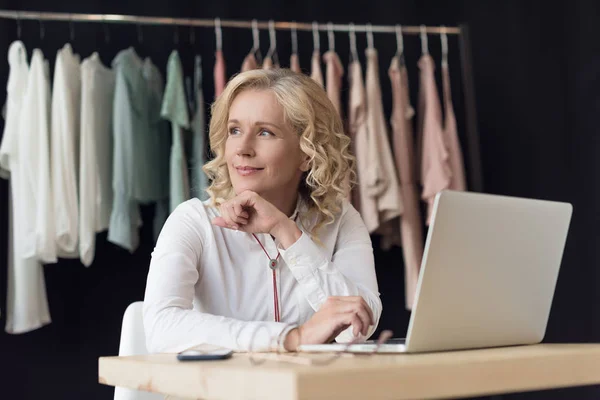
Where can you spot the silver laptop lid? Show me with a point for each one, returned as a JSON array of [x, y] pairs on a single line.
[[488, 273]]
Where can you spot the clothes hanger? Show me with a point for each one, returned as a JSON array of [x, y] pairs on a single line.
[[272, 53], [399, 45], [444, 39], [106, 32], [294, 39], [175, 36], [218, 34], [42, 30], [71, 29], [424, 42], [256, 42], [316, 38], [370, 41], [192, 36], [330, 36], [140, 34], [352, 36], [18, 25]]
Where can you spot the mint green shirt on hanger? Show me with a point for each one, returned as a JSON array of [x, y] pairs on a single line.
[[141, 148], [174, 109]]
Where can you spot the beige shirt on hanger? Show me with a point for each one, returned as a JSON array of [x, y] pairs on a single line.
[[249, 63], [334, 72], [411, 232], [295, 63], [435, 167], [359, 134], [457, 181], [268, 63], [316, 74], [382, 183]]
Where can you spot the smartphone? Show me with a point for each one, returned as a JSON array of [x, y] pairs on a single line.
[[197, 355]]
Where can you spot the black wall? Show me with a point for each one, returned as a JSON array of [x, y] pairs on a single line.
[[535, 69]]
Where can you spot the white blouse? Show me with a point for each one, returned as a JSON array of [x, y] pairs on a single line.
[[95, 154], [210, 285], [64, 133]]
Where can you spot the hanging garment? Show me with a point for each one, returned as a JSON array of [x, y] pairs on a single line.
[[249, 62], [334, 72], [411, 232], [295, 63], [27, 110], [141, 148], [435, 167], [174, 109], [457, 181], [95, 154], [64, 141], [357, 128], [219, 73], [34, 164], [315, 72], [199, 179], [268, 63], [382, 181]]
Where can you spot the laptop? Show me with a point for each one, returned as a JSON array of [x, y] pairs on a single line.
[[487, 277]]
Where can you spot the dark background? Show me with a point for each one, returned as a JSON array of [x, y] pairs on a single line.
[[535, 71]]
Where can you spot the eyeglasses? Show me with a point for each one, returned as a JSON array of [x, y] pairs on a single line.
[[257, 358]]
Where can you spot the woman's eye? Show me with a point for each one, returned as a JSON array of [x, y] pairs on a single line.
[[264, 132], [234, 131]]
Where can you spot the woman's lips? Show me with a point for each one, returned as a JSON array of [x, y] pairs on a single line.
[[247, 171]]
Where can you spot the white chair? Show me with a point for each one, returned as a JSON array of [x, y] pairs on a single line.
[[133, 342]]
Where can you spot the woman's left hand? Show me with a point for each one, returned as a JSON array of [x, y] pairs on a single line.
[[248, 212]]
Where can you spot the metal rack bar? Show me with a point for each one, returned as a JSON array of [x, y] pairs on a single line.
[[142, 20]]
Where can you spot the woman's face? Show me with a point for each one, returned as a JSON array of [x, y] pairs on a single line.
[[262, 150]]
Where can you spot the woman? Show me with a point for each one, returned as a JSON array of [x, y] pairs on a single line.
[[277, 256]]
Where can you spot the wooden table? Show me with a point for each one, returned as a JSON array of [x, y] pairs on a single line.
[[405, 376]]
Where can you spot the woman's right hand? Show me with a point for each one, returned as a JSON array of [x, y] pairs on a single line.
[[335, 315]]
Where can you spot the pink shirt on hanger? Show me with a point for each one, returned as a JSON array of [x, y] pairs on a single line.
[[357, 128], [316, 73], [457, 181], [268, 63], [219, 72], [435, 167], [410, 222], [295, 63], [334, 73], [249, 63], [383, 180]]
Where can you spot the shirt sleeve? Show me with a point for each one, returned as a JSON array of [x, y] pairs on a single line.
[[88, 183], [349, 272], [170, 322]]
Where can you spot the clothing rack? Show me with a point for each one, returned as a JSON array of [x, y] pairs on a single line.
[[143, 20], [473, 153]]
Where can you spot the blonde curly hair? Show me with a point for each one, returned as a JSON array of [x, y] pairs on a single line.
[[319, 126]]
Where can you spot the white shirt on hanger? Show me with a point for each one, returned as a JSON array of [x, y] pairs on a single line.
[[34, 164], [66, 103], [95, 154], [209, 285], [27, 303]]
